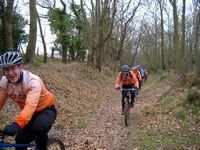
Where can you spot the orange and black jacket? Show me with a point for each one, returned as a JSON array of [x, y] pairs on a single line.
[[126, 81], [137, 74], [30, 94]]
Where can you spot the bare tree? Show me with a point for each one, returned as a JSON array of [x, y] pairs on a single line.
[[161, 5], [183, 31], [136, 47], [6, 11], [30, 51], [176, 34], [97, 28], [124, 27], [197, 32], [43, 39]]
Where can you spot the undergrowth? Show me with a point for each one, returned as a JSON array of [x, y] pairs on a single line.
[[179, 113]]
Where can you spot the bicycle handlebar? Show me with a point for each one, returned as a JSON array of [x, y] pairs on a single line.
[[2, 144], [127, 89]]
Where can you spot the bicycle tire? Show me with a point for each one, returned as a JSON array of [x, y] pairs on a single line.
[[55, 144], [126, 113]]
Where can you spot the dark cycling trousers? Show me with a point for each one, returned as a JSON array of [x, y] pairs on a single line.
[[37, 129], [124, 93]]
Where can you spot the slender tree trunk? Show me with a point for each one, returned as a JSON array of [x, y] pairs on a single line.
[[162, 35], [176, 35], [136, 49], [124, 32], [7, 24], [30, 51], [43, 40], [183, 30], [64, 53], [197, 43], [62, 30], [182, 50]]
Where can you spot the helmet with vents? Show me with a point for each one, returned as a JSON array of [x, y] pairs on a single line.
[[10, 58]]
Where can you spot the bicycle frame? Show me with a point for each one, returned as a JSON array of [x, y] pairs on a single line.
[[127, 106], [128, 95], [4, 145]]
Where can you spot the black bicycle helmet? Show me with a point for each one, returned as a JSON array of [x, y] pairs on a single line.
[[10, 58], [125, 68]]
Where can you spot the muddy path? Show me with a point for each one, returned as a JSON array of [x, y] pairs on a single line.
[[106, 129]]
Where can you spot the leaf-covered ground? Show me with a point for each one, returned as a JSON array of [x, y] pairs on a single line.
[[89, 111]]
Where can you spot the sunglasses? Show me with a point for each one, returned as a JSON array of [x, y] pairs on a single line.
[[125, 73]]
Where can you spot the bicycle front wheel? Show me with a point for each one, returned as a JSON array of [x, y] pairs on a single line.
[[55, 144], [126, 113]]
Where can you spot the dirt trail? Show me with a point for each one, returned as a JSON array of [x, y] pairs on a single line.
[[106, 130]]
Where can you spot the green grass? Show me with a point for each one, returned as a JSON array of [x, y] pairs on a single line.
[[157, 140], [82, 124], [193, 97], [161, 78], [147, 141], [167, 104], [167, 140], [180, 116]]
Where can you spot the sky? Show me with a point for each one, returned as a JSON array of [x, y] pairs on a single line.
[[49, 37]]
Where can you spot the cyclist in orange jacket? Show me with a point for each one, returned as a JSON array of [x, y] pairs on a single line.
[[126, 79], [38, 111], [138, 75]]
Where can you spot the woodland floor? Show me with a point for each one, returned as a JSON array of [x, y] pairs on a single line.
[[106, 130], [89, 111]]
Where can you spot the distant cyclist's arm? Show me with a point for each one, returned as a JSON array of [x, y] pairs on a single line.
[[3, 95], [3, 98], [136, 82], [118, 81]]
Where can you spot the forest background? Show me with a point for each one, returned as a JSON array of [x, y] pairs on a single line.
[[157, 34], [160, 35]]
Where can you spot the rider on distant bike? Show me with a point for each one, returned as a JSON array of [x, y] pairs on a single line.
[[38, 111], [141, 72], [126, 79], [138, 75]]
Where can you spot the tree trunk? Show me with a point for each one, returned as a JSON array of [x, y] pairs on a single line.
[[64, 53], [7, 25], [62, 30], [97, 34], [197, 43], [136, 49], [162, 35], [30, 51], [124, 32], [176, 35], [43, 40], [182, 50]]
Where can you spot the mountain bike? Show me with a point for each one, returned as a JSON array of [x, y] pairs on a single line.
[[54, 143], [127, 105]]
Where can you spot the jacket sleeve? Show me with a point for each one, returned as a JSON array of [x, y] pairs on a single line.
[[32, 99], [3, 95], [3, 98], [118, 81], [139, 75], [136, 83]]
